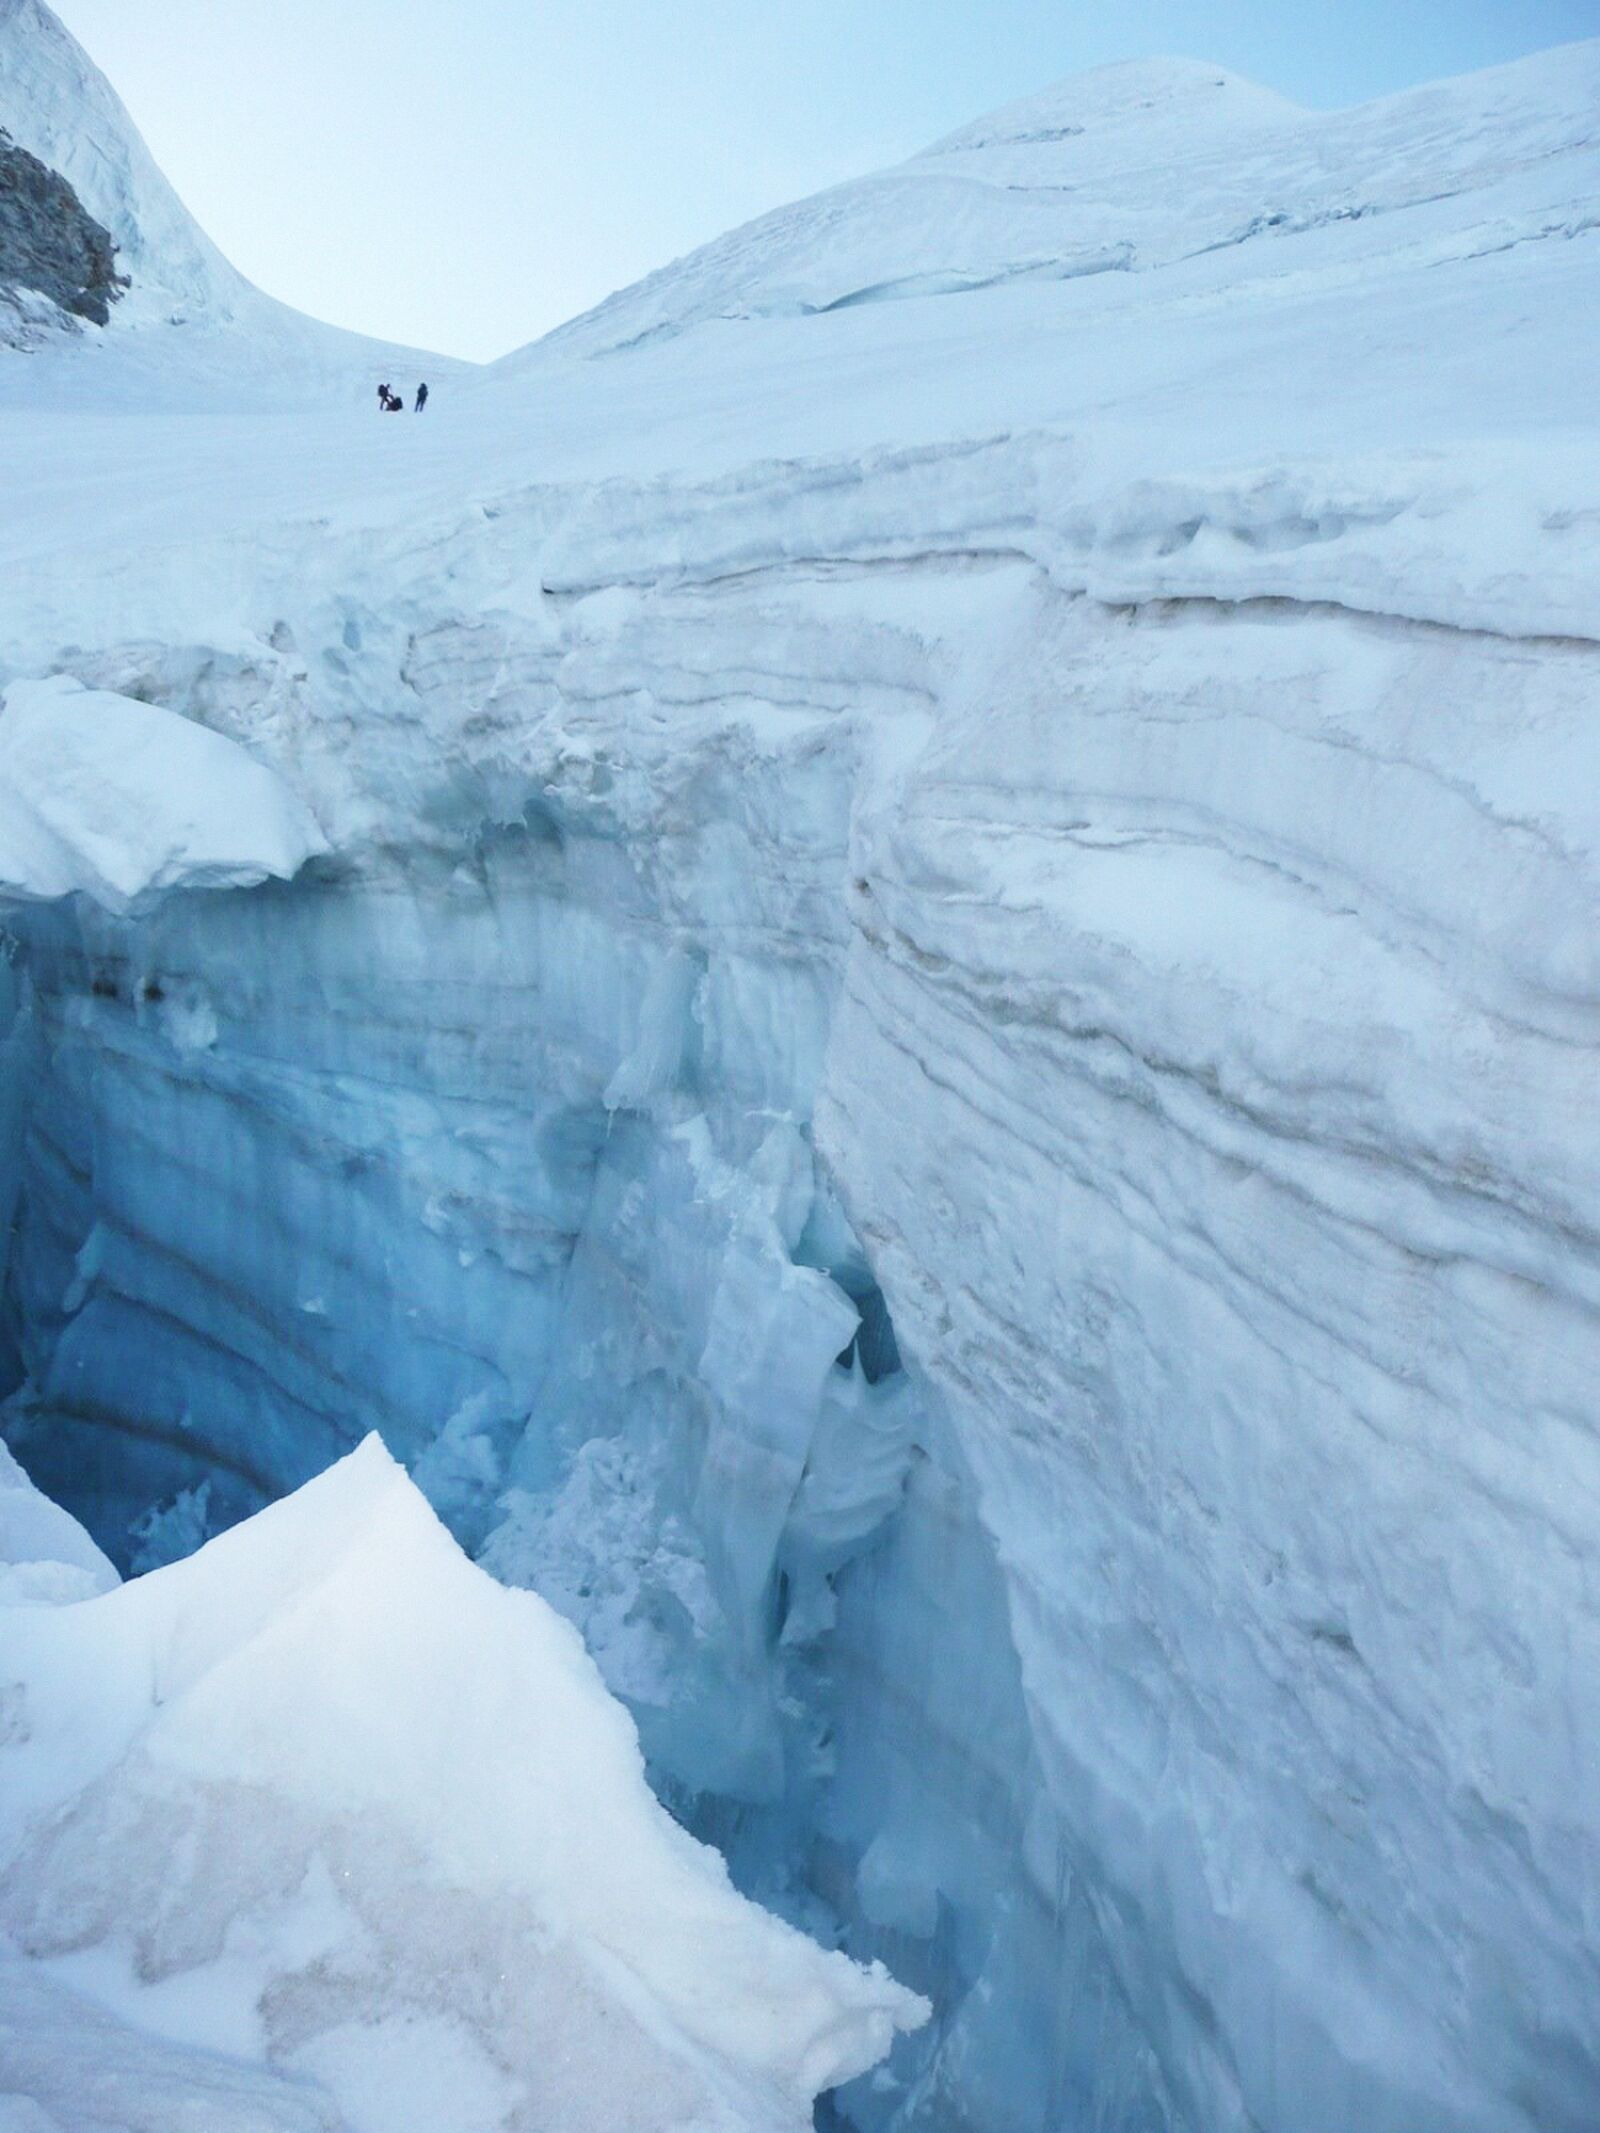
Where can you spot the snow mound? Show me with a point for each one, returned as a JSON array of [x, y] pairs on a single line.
[[326, 1795], [120, 800]]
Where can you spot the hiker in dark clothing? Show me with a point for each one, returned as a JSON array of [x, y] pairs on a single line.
[[422, 398], [383, 398]]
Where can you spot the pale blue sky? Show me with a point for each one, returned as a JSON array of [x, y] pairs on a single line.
[[467, 175]]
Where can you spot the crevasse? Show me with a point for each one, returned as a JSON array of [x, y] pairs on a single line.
[[514, 1129]]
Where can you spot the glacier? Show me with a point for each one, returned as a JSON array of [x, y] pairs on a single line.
[[926, 1051]]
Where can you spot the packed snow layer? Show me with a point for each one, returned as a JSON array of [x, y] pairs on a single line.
[[946, 1086], [458, 1906], [67, 2066], [117, 800]]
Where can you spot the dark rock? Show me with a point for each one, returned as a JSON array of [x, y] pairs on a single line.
[[49, 241]]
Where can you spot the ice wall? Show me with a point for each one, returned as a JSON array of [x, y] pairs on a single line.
[[509, 1128]]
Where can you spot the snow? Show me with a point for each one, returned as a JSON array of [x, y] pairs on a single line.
[[994, 774], [459, 1907], [66, 2066], [118, 801]]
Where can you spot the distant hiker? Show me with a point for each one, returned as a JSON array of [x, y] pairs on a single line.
[[422, 398], [383, 398]]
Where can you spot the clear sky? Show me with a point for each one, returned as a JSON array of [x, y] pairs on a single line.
[[468, 174]]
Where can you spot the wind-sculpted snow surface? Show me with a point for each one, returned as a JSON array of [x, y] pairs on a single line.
[[326, 1795], [940, 1076]]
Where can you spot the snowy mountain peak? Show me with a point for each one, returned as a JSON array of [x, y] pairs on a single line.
[[1136, 168]]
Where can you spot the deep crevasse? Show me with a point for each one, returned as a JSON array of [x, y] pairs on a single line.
[[518, 1122]]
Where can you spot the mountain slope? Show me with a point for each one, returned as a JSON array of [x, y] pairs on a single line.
[[56, 262], [57, 105]]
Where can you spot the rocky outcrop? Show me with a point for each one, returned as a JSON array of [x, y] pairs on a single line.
[[49, 244]]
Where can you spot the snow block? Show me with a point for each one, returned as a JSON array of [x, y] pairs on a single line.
[[325, 1795], [119, 800]]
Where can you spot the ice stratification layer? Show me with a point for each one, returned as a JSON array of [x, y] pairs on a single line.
[[944, 1080]]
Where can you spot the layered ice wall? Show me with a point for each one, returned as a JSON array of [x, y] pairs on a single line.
[[509, 1130], [940, 1075]]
